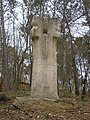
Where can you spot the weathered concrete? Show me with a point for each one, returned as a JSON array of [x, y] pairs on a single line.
[[45, 33]]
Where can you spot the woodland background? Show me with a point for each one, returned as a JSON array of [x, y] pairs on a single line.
[[73, 49]]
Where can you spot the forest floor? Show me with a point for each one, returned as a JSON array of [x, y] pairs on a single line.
[[25, 108]]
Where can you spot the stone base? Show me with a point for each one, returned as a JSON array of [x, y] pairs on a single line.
[[55, 97]]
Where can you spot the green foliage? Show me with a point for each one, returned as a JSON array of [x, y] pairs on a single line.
[[46, 116], [65, 93], [39, 2]]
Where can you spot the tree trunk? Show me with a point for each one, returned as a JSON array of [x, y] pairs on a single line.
[[5, 68], [74, 69], [86, 10]]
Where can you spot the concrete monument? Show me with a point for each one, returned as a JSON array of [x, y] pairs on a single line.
[[45, 32]]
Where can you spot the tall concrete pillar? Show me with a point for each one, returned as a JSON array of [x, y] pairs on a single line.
[[45, 33]]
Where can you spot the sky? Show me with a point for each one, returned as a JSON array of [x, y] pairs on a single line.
[[78, 30]]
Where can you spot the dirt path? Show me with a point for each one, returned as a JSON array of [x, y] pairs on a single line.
[[46, 110]]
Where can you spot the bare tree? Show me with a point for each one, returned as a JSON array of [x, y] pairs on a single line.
[[5, 68]]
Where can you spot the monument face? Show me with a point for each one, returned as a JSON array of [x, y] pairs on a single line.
[[45, 32]]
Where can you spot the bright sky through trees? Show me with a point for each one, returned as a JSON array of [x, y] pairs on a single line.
[[77, 29]]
